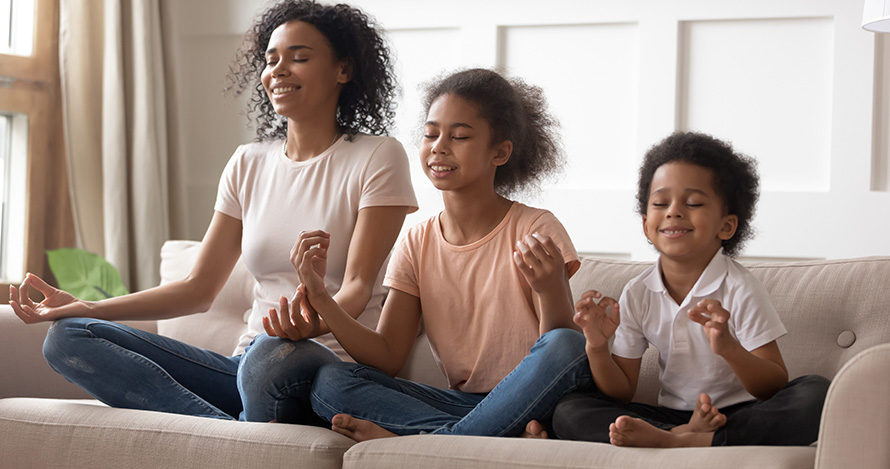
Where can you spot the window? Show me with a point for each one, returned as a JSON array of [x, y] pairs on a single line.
[[33, 185]]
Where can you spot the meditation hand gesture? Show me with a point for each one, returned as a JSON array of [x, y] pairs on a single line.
[[597, 319], [296, 321], [540, 262], [56, 305], [306, 241], [713, 318]]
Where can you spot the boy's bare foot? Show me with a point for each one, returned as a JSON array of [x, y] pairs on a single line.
[[534, 429], [629, 431], [358, 429], [705, 418]]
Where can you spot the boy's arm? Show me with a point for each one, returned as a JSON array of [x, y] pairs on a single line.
[[541, 262], [761, 371]]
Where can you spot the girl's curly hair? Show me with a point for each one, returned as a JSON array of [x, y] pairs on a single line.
[[366, 102], [735, 178], [515, 111]]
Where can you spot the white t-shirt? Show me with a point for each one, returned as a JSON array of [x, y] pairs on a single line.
[[275, 198], [687, 364]]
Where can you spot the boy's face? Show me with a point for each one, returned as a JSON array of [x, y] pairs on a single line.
[[686, 220]]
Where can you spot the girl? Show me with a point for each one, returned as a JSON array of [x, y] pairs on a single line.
[[321, 75], [484, 138]]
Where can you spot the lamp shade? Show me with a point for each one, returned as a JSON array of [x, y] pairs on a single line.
[[876, 16]]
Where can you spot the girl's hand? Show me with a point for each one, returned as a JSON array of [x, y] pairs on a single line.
[[713, 318], [54, 306], [540, 261], [597, 319], [297, 320], [306, 241], [311, 269]]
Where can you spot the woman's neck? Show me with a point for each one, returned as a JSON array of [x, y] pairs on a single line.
[[306, 140], [469, 218]]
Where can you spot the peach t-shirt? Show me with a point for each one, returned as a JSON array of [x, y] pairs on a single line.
[[477, 308]]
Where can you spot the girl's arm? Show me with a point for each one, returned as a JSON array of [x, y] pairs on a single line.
[[614, 376], [388, 347], [218, 254], [761, 371], [540, 261]]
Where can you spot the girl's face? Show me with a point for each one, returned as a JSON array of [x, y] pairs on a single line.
[[303, 77], [686, 220], [456, 151]]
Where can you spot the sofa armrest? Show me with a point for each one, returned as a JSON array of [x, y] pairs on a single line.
[[855, 424], [25, 372]]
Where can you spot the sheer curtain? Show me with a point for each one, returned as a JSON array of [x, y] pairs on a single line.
[[112, 75]]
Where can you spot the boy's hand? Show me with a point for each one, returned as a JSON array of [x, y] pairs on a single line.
[[713, 318], [540, 261], [598, 320]]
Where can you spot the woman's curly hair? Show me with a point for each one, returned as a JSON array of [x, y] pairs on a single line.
[[366, 102], [735, 180], [515, 111]]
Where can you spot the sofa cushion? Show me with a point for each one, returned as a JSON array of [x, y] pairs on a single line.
[[56, 433], [220, 328]]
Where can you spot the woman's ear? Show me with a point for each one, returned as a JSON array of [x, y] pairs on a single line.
[[346, 68], [503, 151], [727, 230]]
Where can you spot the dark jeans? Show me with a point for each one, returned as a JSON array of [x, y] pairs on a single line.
[[789, 418]]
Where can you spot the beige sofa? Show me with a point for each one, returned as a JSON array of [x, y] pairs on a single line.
[[837, 314]]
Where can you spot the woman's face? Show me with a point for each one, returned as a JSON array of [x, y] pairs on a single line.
[[303, 77]]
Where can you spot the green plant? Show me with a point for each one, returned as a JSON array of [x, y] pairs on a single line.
[[85, 275]]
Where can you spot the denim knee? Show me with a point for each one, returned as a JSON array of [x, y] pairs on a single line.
[[271, 361], [561, 345], [58, 347]]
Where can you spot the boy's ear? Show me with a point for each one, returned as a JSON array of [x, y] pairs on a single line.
[[646, 229], [346, 67], [503, 151], [727, 230]]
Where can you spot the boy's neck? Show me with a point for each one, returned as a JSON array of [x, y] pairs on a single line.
[[467, 221], [679, 276]]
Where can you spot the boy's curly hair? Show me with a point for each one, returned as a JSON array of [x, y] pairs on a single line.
[[735, 177], [366, 102], [515, 111]]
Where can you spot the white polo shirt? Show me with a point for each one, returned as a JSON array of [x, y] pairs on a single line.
[[687, 365]]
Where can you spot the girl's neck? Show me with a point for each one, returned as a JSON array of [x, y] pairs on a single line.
[[308, 139], [467, 219]]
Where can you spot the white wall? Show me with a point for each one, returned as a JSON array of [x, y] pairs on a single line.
[[795, 83]]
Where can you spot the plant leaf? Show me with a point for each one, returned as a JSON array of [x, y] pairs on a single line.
[[85, 275]]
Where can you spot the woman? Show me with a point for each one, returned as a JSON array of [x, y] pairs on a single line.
[[325, 77]]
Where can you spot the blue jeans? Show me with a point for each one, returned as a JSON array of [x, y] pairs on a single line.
[[556, 365], [130, 368]]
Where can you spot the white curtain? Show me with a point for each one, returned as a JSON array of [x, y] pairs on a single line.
[[112, 74]]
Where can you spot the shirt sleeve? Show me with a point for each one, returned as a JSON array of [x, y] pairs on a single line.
[[228, 194], [756, 320], [548, 224], [387, 178], [630, 342], [401, 272]]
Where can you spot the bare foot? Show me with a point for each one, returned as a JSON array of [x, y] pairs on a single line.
[[629, 431], [358, 429], [534, 429], [705, 418]]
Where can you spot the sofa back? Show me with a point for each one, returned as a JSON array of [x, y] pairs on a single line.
[[832, 309]]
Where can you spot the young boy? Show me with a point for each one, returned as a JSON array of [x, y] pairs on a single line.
[[723, 378]]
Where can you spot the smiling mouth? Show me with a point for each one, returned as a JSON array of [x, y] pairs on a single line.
[[284, 89], [441, 169]]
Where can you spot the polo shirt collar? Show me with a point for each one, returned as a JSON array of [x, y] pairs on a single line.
[[709, 281]]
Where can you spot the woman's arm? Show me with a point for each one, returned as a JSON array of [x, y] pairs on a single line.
[[219, 252]]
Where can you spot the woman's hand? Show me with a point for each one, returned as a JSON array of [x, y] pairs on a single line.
[[306, 241], [597, 319], [297, 320], [57, 303]]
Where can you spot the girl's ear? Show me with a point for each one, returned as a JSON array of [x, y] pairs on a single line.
[[503, 152], [346, 67], [727, 230]]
